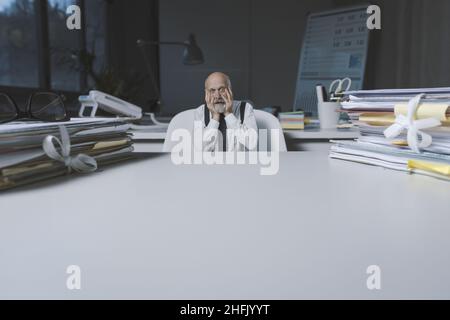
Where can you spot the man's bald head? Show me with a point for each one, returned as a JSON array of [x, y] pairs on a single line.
[[216, 80]]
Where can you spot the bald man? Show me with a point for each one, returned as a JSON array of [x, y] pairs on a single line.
[[228, 125]]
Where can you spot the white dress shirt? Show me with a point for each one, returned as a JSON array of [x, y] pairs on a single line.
[[240, 136]]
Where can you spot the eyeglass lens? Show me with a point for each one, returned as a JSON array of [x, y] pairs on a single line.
[[8, 110], [47, 107]]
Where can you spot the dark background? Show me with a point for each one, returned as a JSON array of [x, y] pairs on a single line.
[[257, 42]]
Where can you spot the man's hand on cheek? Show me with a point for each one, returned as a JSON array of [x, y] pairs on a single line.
[[210, 105], [228, 98]]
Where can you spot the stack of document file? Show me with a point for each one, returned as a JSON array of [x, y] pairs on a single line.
[[401, 129], [380, 107], [24, 160], [292, 120]]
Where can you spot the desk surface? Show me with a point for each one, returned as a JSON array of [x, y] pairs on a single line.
[[309, 134], [150, 229], [322, 134]]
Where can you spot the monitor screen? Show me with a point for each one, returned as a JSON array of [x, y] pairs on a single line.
[[335, 46]]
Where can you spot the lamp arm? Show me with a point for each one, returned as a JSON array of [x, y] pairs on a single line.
[[173, 43], [157, 43]]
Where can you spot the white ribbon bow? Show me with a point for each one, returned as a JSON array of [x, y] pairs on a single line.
[[413, 127], [80, 163]]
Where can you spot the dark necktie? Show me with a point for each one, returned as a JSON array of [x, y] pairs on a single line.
[[223, 130]]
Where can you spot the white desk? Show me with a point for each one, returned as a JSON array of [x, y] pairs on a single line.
[[317, 139], [149, 229], [322, 134], [150, 141], [297, 140]]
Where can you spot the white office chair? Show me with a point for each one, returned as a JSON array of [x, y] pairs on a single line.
[[183, 120], [264, 120], [267, 121]]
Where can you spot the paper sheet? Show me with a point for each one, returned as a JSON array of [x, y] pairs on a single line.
[[25, 126]]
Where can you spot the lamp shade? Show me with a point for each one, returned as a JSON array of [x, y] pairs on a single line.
[[192, 55]]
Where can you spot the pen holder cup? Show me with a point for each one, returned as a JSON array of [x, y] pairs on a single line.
[[328, 114]]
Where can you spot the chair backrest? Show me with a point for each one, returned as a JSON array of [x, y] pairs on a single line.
[[267, 121], [183, 120], [264, 120]]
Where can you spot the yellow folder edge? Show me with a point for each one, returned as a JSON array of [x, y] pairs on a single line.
[[440, 168], [388, 119], [425, 111], [110, 144]]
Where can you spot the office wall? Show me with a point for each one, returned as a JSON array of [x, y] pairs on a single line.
[[129, 21], [257, 42], [277, 36], [412, 49], [222, 31]]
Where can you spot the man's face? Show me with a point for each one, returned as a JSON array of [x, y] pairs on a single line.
[[216, 88]]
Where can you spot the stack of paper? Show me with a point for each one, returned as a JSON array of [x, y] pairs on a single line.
[[401, 129], [380, 107], [292, 120], [24, 160]]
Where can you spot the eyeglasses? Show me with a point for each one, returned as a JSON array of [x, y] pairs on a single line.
[[44, 106]]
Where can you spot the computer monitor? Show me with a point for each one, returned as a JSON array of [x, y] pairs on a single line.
[[335, 46]]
